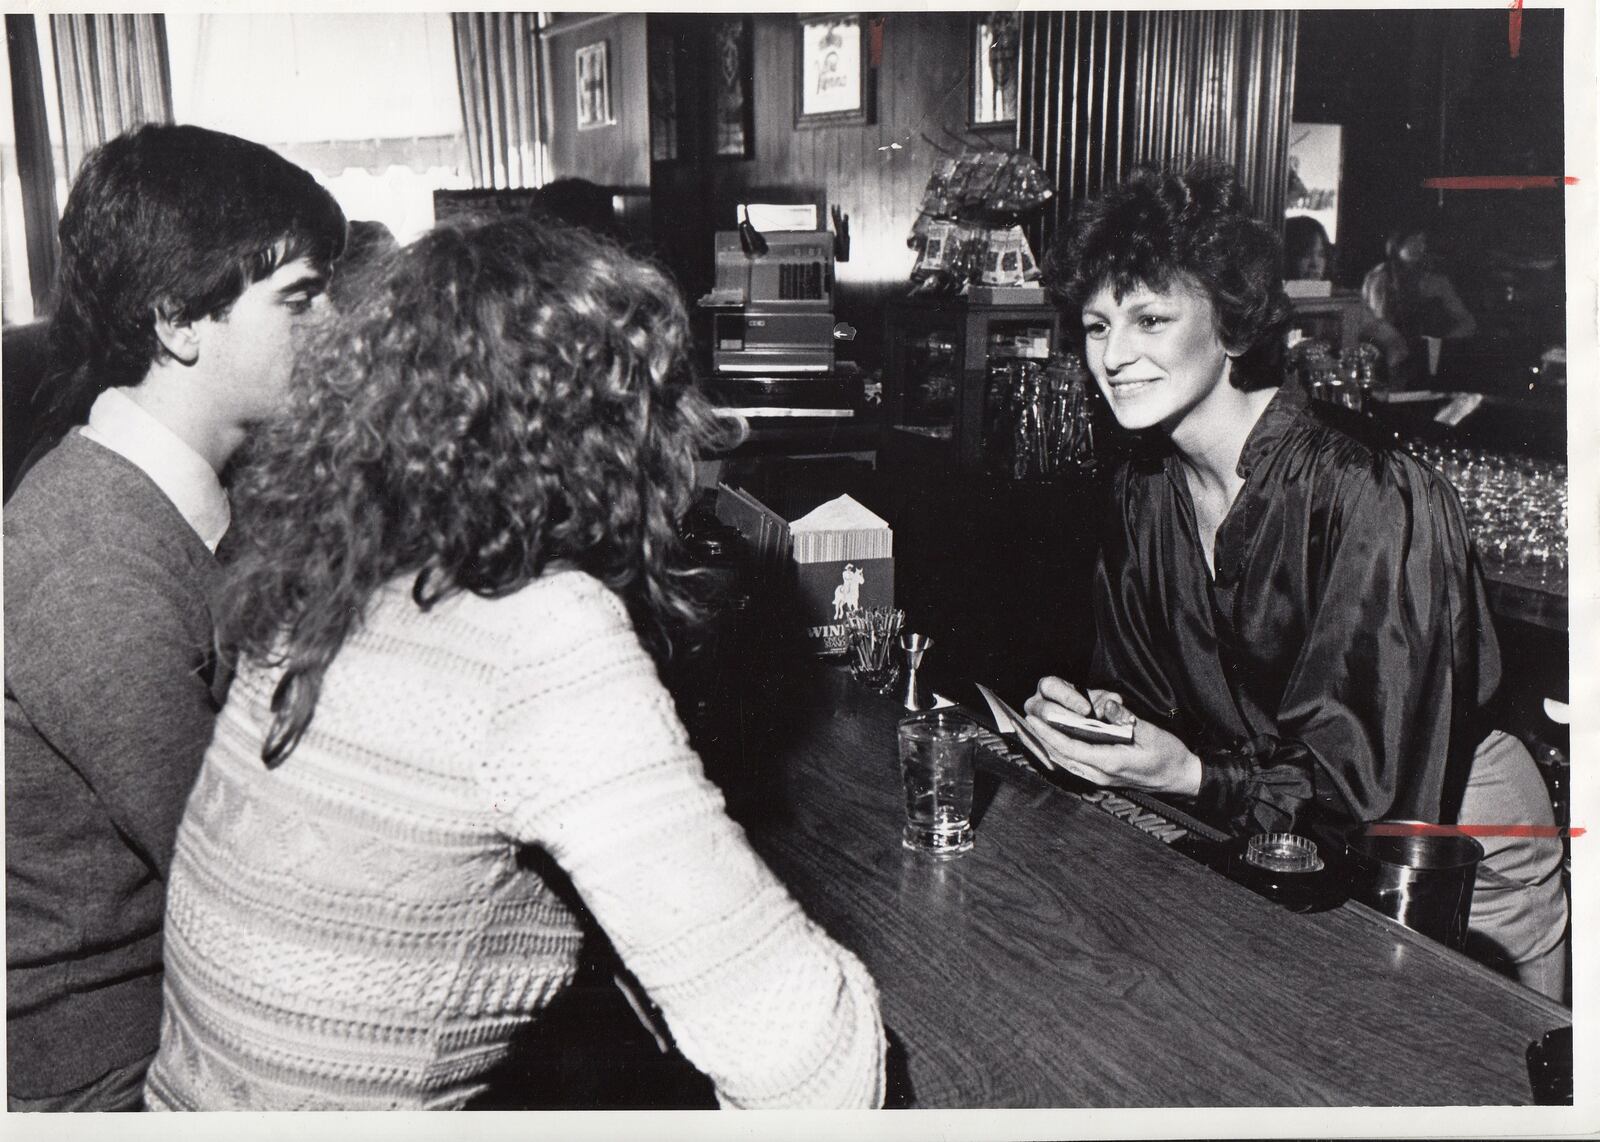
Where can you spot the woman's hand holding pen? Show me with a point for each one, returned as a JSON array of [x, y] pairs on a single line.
[[1155, 761]]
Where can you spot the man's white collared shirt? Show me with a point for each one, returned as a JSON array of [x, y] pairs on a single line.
[[183, 475]]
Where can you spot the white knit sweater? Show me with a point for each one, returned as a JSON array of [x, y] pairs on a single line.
[[352, 929]]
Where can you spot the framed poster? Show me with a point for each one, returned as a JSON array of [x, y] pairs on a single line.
[[1316, 161], [830, 70], [995, 39], [732, 128], [594, 86]]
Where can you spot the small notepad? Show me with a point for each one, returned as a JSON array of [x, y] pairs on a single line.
[[1008, 721]]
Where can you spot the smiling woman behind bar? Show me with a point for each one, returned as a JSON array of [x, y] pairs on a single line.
[[448, 545], [1286, 605]]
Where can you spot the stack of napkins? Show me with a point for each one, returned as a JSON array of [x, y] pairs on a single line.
[[840, 529]]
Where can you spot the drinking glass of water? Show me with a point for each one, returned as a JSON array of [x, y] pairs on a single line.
[[936, 759]]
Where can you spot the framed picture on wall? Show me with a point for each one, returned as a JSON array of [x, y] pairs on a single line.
[[995, 39], [830, 70], [733, 124], [594, 86]]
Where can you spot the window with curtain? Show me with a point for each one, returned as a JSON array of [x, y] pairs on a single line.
[[16, 300], [29, 229], [369, 103]]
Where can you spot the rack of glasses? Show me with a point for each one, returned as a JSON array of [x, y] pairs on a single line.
[[940, 353], [1516, 507], [1038, 419]]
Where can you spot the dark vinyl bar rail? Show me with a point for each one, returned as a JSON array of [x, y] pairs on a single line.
[[1071, 960]]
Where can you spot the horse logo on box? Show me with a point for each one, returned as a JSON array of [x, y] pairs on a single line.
[[847, 595]]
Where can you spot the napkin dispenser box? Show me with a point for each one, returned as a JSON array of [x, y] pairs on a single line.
[[828, 590], [843, 562]]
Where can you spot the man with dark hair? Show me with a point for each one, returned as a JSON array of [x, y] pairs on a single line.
[[189, 260]]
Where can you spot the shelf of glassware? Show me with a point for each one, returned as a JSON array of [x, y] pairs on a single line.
[[938, 353], [1516, 507]]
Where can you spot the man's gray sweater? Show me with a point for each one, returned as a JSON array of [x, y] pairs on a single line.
[[111, 690]]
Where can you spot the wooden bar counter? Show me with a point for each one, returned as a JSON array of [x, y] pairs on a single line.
[[1071, 960]]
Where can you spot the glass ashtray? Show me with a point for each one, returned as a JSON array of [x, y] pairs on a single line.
[[1283, 852]]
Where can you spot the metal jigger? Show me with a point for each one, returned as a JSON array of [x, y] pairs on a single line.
[[915, 646]]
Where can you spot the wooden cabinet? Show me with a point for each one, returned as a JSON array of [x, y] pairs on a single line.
[[1335, 318], [938, 356]]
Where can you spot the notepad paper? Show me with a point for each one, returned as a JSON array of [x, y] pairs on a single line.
[[1008, 721]]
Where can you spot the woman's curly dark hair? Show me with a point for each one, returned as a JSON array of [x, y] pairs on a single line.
[[494, 398], [1161, 225]]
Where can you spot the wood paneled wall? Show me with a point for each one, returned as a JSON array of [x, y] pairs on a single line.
[[617, 155], [875, 172]]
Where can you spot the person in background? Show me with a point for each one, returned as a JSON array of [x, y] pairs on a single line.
[[365, 240], [1287, 606], [1307, 253], [1308, 256], [447, 737], [1410, 292], [579, 202], [189, 261]]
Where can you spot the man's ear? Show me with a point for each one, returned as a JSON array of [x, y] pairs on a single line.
[[179, 338]]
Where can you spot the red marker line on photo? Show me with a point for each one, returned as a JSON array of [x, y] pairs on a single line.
[[1415, 829], [1514, 32], [1500, 182]]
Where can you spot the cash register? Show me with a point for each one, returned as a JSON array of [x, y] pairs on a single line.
[[772, 319]]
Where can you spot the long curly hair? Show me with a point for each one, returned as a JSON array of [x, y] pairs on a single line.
[[497, 397], [1160, 225]]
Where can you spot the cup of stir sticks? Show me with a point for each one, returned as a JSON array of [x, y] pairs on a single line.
[[873, 636]]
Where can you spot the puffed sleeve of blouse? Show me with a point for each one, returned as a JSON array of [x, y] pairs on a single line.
[[1129, 655], [592, 764], [1397, 657]]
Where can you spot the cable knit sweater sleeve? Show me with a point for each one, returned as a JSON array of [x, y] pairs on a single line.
[[590, 762]]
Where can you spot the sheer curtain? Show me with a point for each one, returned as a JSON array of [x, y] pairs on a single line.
[[497, 64], [366, 101], [1102, 91], [112, 74], [28, 190]]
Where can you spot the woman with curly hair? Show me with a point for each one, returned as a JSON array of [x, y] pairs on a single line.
[[1287, 607], [446, 739]]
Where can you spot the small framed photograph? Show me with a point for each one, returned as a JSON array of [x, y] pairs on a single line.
[[594, 86], [1316, 164], [995, 40], [830, 70]]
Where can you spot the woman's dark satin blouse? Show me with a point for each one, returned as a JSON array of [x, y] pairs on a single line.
[[1334, 669]]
